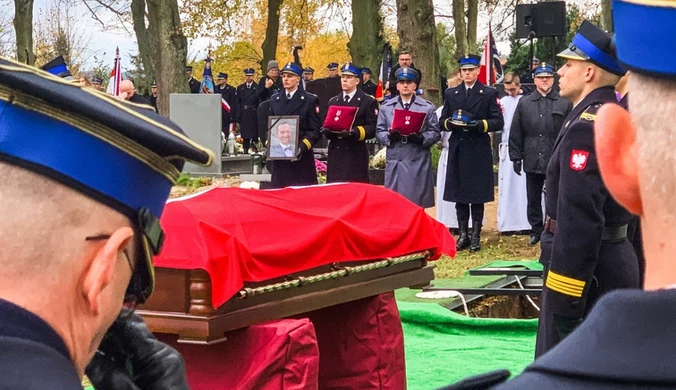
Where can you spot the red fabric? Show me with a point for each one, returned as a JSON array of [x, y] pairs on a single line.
[[361, 345], [239, 235], [279, 355], [408, 122], [340, 118]]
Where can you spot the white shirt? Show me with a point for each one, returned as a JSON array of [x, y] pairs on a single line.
[[470, 86], [351, 95], [291, 93]]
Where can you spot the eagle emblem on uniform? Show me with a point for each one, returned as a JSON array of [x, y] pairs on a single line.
[[578, 159]]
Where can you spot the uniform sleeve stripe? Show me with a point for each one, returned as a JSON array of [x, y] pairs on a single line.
[[362, 132], [555, 286], [566, 280], [567, 287], [485, 125], [308, 144], [446, 123]]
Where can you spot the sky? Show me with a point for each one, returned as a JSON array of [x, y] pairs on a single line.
[[102, 42]]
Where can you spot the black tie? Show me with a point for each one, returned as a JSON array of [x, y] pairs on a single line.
[[288, 97], [466, 92], [406, 106], [347, 99]]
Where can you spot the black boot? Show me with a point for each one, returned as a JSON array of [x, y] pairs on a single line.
[[476, 237], [463, 240], [534, 238]]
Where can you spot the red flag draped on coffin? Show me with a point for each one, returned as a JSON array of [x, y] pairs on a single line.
[[239, 235]]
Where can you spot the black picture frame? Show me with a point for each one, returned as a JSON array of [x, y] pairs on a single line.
[[278, 150]]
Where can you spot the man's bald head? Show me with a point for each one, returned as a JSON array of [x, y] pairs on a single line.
[[127, 88]]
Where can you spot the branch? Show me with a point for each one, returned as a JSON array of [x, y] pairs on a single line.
[[93, 13], [109, 7]]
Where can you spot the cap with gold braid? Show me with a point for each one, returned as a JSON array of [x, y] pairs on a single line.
[[645, 35], [592, 44], [122, 155]]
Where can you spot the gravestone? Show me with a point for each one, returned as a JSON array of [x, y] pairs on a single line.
[[199, 115]]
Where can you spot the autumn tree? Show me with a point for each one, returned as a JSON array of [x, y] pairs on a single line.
[[269, 45], [417, 32], [465, 23], [23, 27], [367, 39]]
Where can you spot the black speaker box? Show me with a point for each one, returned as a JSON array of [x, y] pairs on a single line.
[[525, 20], [550, 19]]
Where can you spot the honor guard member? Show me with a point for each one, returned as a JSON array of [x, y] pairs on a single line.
[[247, 103], [348, 156], [333, 69], [294, 101], [469, 172], [584, 245], [270, 84], [627, 340], [536, 124], [193, 84], [87, 177], [408, 169], [153, 95], [368, 86], [308, 74], [228, 105], [96, 83]]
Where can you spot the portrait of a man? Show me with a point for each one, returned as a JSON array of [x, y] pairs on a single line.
[[283, 139]]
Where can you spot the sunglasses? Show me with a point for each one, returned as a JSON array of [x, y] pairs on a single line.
[[134, 288]]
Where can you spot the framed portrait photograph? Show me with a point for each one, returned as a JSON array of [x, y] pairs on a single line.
[[283, 137]]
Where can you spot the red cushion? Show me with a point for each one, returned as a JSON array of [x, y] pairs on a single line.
[[361, 345], [279, 355]]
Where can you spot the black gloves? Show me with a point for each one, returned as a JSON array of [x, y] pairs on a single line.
[[415, 138], [517, 167], [328, 133], [394, 136], [336, 135], [474, 126], [129, 344]]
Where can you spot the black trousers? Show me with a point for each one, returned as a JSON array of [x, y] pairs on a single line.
[[534, 184], [246, 143], [462, 210]]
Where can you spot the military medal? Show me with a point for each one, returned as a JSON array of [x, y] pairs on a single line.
[[408, 120], [337, 115]]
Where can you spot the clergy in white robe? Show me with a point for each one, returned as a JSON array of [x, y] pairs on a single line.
[[445, 210], [512, 201]]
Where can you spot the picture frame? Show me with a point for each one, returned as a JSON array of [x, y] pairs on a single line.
[[283, 146]]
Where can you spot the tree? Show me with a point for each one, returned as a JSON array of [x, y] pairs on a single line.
[[447, 47], [606, 15], [465, 30], [23, 27], [145, 52], [417, 32], [367, 33], [269, 45], [169, 48]]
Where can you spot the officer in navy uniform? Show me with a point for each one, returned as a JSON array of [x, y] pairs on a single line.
[[348, 156], [308, 74], [58, 141], [627, 340], [333, 69], [229, 94], [247, 103], [193, 84], [368, 86], [584, 245], [153, 95], [292, 100], [469, 176]]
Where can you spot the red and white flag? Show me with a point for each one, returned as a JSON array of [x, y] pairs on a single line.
[[225, 105], [490, 70], [115, 76]]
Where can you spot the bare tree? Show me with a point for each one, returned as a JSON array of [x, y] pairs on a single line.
[[23, 26]]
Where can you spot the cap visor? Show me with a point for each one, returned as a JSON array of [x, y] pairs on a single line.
[[544, 75], [571, 55], [468, 66]]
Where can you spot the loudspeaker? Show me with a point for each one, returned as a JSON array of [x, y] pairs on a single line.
[[525, 20], [550, 19]]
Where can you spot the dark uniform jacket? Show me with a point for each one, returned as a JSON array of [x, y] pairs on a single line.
[[393, 79], [247, 102], [266, 93], [469, 173], [230, 95], [536, 124], [32, 355], [348, 157], [582, 263], [625, 343], [153, 101], [301, 172], [138, 99], [194, 85], [369, 88]]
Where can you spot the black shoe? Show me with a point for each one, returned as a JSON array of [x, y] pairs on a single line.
[[534, 239], [475, 244], [463, 240]]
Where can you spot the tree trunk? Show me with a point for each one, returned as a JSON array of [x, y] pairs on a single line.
[[418, 32], [367, 40], [269, 45], [169, 50], [145, 51], [23, 26], [606, 16], [472, 17], [460, 28]]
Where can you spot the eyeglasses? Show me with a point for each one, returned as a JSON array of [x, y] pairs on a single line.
[[132, 294]]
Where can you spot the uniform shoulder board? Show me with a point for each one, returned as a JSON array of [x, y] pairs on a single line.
[[311, 94], [371, 96], [590, 113], [478, 382]]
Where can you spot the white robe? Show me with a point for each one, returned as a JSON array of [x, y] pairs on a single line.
[[512, 200]]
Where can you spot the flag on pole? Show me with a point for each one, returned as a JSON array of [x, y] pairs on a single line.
[[115, 76], [490, 70], [207, 84], [385, 69], [225, 105]]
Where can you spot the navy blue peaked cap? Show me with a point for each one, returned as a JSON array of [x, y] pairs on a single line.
[[120, 154], [592, 44], [57, 67]]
